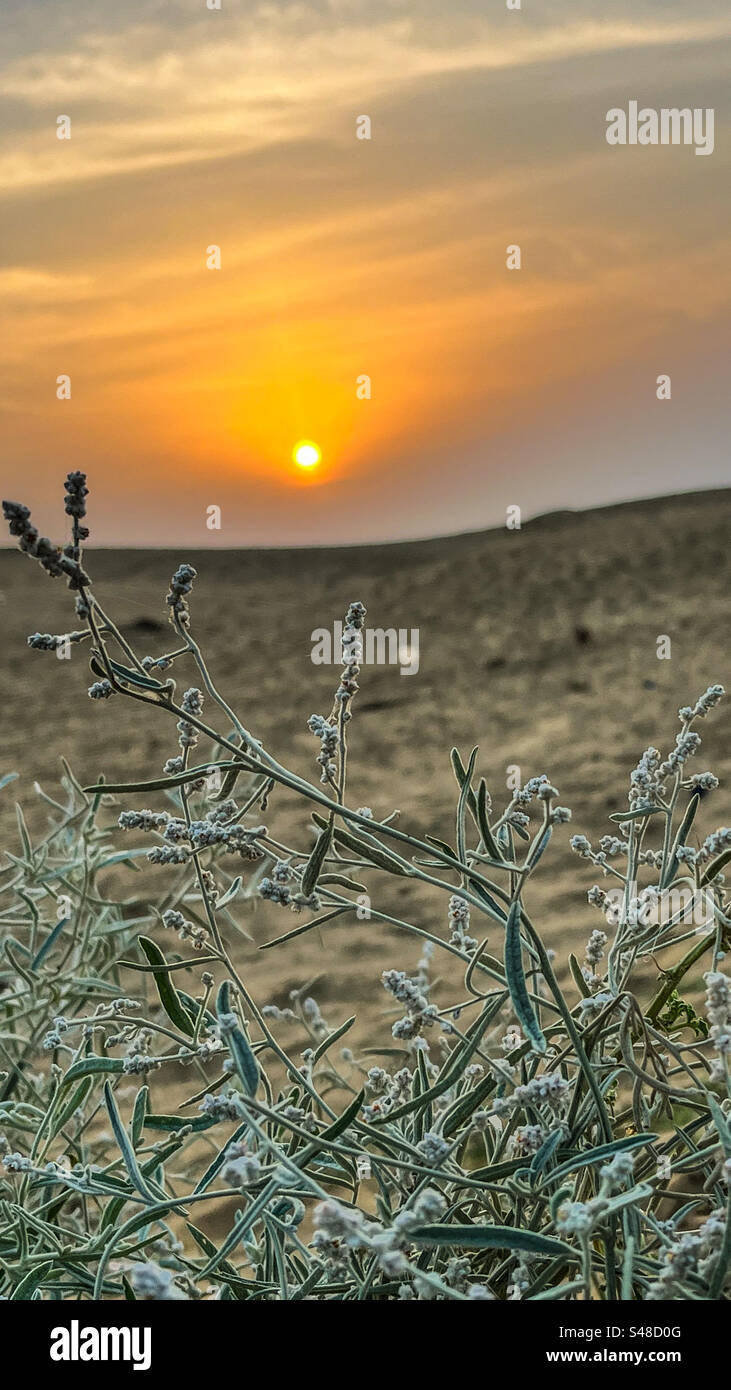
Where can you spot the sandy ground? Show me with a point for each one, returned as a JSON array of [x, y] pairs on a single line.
[[538, 645]]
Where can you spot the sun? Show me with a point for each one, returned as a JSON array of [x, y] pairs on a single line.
[[306, 454]]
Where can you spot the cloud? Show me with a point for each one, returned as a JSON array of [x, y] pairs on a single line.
[[29, 285], [154, 95], [342, 256]]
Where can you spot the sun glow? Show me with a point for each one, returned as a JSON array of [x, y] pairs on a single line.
[[306, 454]]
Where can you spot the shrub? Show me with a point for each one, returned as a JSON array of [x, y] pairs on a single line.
[[526, 1144]]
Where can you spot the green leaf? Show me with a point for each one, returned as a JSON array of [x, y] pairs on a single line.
[[247, 1067], [680, 839], [516, 980], [460, 773], [331, 1038], [169, 997], [30, 1282], [342, 882], [225, 1270], [560, 1291], [191, 774], [138, 1114], [366, 849], [578, 978], [492, 1238], [715, 867], [241, 1227], [629, 1198], [466, 1105], [131, 677], [223, 998], [172, 1123], [540, 847], [597, 1155], [125, 1147], [440, 844], [343, 1121], [306, 926], [49, 943], [483, 823], [92, 1066], [73, 1104], [230, 892], [114, 1208], [316, 860], [219, 1160], [466, 794], [123, 856], [24, 836], [227, 784], [193, 1007], [543, 1157]]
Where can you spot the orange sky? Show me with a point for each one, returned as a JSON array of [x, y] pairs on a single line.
[[190, 386]]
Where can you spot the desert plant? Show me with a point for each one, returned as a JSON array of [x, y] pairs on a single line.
[[527, 1144]]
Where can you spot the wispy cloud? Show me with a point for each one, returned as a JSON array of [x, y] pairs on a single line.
[[342, 257], [159, 95]]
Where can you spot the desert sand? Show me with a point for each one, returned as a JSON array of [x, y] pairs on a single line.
[[539, 645]]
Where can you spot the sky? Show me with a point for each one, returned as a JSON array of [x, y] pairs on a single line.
[[344, 258]]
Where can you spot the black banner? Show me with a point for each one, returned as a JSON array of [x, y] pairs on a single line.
[[82, 1340]]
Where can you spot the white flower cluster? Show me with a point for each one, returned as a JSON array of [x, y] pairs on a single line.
[[419, 1012], [718, 1009], [693, 1254], [339, 1230]]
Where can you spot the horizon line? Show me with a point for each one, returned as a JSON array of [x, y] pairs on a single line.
[[537, 517]]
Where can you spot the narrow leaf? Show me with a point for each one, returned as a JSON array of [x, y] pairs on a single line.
[[543, 1157], [680, 839], [169, 997], [715, 867], [365, 849], [29, 1283], [138, 1114], [597, 1155], [125, 1147], [316, 860], [172, 1123], [230, 892], [49, 943], [131, 677], [73, 1104], [304, 927], [247, 1068], [219, 1161], [515, 978], [578, 978], [191, 774], [492, 1238], [465, 793], [331, 1038], [91, 1066], [460, 773], [483, 823]]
